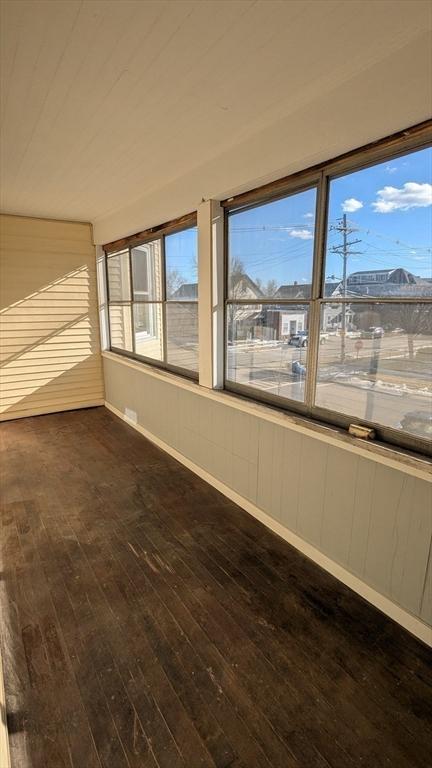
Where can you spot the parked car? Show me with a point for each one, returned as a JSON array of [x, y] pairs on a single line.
[[301, 339], [374, 332], [417, 423], [353, 334]]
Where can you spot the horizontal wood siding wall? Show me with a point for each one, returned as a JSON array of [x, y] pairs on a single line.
[[50, 356], [373, 520]]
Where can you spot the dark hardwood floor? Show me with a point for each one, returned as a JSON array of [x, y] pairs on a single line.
[[148, 622]]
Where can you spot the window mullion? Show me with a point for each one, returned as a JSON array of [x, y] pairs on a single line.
[[132, 321], [164, 302], [320, 238], [131, 288], [107, 289], [313, 348], [317, 290]]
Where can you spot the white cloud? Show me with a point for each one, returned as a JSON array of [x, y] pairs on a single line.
[[308, 216], [351, 204], [303, 234], [391, 168], [411, 195]]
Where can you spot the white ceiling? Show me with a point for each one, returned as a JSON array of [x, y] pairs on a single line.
[[127, 113]]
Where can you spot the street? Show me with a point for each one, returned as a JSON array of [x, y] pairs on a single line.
[[377, 381]]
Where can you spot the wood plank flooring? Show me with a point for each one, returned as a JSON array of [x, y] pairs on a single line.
[[148, 622]]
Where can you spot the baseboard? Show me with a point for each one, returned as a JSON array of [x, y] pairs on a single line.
[[50, 409], [411, 623], [4, 739]]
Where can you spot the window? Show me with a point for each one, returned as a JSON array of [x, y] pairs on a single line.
[[270, 258], [153, 300], [336, 321], [181, 260]]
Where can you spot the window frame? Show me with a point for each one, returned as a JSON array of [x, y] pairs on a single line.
[[321, 177], [128, 244], [310, 181]]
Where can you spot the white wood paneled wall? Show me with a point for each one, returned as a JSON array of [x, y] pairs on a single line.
[[372, 519], [50, 357]]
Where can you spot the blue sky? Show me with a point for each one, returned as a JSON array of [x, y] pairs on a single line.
[[389, 204], [275, 241], [181, 254]]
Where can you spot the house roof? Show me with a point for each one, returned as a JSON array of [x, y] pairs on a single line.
[[186, 291], [302, 291], [243, 280], [373, 271]]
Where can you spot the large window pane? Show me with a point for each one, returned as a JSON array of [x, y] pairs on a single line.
[[147, 272], [148, 330], [145, 323], [380, 370], [267, 348], [271, 249], [181, 265], [119, 276], [121, 326], [182, 334], [379, 239]]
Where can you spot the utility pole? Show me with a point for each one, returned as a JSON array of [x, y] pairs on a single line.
[[344, 250]]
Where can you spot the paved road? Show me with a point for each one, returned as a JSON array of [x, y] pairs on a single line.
[[269, 368]]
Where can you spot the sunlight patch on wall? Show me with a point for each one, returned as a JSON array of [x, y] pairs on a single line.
[[49, 337]]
